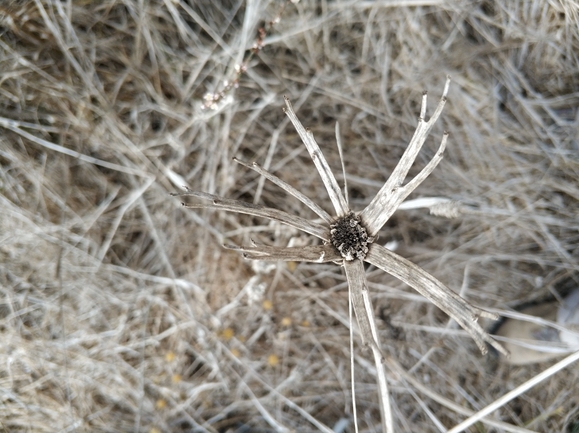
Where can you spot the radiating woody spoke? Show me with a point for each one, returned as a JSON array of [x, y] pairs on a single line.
[[444, 298]]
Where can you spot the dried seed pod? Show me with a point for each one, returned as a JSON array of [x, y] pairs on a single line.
[[350, 237]]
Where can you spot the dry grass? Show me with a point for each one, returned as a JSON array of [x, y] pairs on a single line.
[[121, 312]]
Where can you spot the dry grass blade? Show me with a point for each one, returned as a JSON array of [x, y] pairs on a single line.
[[289, 189], [406, 377], [574, 357], [16, 127]]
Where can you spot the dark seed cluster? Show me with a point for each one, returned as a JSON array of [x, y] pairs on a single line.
[[349, 236]]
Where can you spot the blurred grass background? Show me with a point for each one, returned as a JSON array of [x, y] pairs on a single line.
[[120, 311]]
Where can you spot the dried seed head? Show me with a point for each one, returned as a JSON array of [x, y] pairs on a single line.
[[350, 237]]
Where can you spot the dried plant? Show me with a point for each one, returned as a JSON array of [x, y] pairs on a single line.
[[120, 312], [211, 100], [349, 238]]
